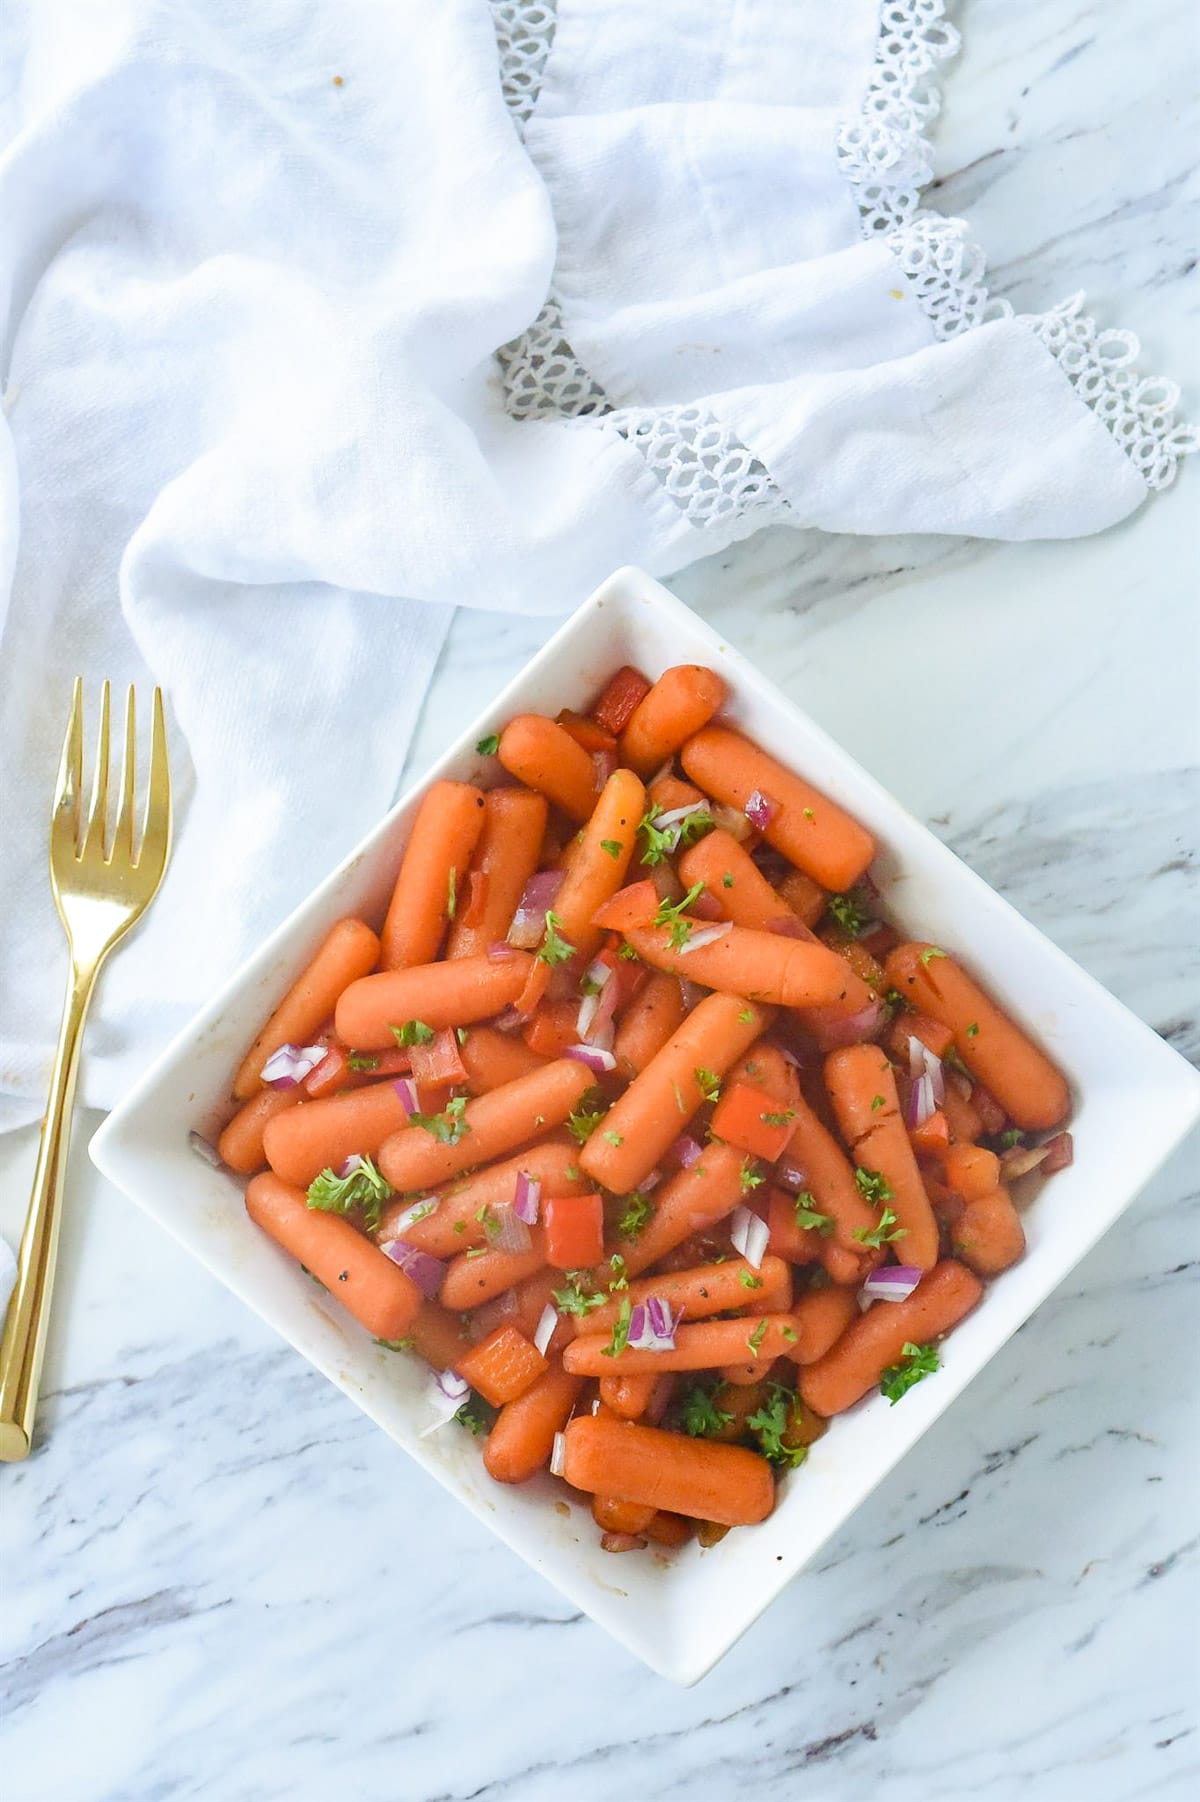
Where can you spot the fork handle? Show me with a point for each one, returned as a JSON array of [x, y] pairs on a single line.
[[25, 1328]]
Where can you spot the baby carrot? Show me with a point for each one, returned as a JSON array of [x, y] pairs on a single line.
[[1032, 1092], [349, 951], [819, 1319], [629, 1397], [811, 830], [438, 995], [647, 1023], [708, 1345], [877, 1338], [735, 882], [988, 1235], [486, 1128], [601, 859], [689, 1202], [355, 1272], [765, 1066], [539, 753], [862, 1088], [668, 792], [668, 1529], [437, 1336], [454, 1222], [506, 856], [681, 701], [435, 863], [241, 1143], [971, 1171], [761, 965], [503, 1366], [302, 1142], [708, 1289], [621, 1517], [827, 1186], [658, 1104], [806, 898], [633, 1463], [522, 1438], [491, 1058], [635, 905], [476, 1276]]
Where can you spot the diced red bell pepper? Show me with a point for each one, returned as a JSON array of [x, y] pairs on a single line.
[[622, 693], [746, 1116], [574, 1230], [585, 732], [991, 1114], [438, 1064], [931, 1137], [553, 1028], [502, 1366], [635, 905], [1060, 1155]]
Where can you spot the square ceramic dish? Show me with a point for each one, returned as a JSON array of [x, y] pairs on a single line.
[[1134, 1099]]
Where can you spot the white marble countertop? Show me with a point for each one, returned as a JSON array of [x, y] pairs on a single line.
[[221, 1581]]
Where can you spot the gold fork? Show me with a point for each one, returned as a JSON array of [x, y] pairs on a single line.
[[99, 895]]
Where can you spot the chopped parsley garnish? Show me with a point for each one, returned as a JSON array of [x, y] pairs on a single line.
[[788, 1332], [850, 911], [628, 953], [757, 1336], [462, 1034], [452, 893], [771, 1423], [952, 1057], [808, 813], [460, 1226], [413, 1032], [660, 842], [476, 1416], [365, 1188], [396, 1344], [553, 949], [783, 1119], [929, 953], [619, 1278], [918, 1361], [747, 1016], [613, 846], [877, 1101], [478, 1251], [727, 879], [588, 985], [577, 1296], [973, 1030], [700, 1417], [748, 1280], [670, 913], [422, 1211], [583, 1123], [620, 1332], [1012, 1137], [362, 1060], [487, 747], [611, 1138], [750, 1178], [710, 1083], [883, 1233], [638, 1209], [489, 1223], [449, 1126], [872, 1186], [808, 1215]]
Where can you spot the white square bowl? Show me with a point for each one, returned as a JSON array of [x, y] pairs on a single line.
[[1135, 1098]]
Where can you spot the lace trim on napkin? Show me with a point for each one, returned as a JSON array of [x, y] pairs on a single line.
[[887, 159]]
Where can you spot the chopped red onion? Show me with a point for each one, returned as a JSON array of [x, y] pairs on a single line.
[[923, 1062], [707, 935], [622, 1542], [1021, 1160], [406, 1089], [787, 926], [791, 1176], [291, 1064], [589, 1007], [693, 993], [510, 1020], [706, 907], [685, 1151], [677, 815], [502, 949], [731, 820], [446, 1392], [760, 809], [921, 1104], [426, 1272], [592, 1057], [544, 1331], [650, 1181], [895, 1282], [660, 1400], [526, 1198], [511, 1233], [558, 1455], [420, 1210], [1060, 1153], [349, 1165], [604, 763], [528, 927], [849, 1029], [750, 1235], [204, 1150], [652, 1325]]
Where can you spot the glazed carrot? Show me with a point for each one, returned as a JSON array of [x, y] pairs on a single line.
[[761, 965], [681, 701], [988, 1235], [862, 1088], [811, 830], [629, 1397], [705, 1290], [488, 1127], [798, 1244], [739, 1401], [817, 1162], [522, 1437], [553, 1029], [658, 1103], [723, 1483], [621, 694], [533, 989], [971, 1171], [855, 953], [635, 905], [541, 755], [665, 1528], [962, 1116], [621, 1517], [241, 1144], [437, 1336], [349, 951], [767, 1068], [735, 882], [574, 1230], [819, 1319], [932, 1137], [668, 792], [476, 1276], [503, 1366], [708, 1345], [806, 898], [355, 1272], [506, 856], [877, 1338], [302, 1142], [687, 1203], [435, 863], [647, 1023], [1029, 1088], [751, 1119], [805, 1426], [491, 1058], [453, 994], [452, 1226], [908, 1025], [601, 860]]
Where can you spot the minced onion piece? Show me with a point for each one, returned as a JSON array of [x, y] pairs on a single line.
[[592, 1057], [650, 1181], [349, 1165], [707, 935], [406, 1089], [526, 1198], [589, 1007], [787, 926], [203, 1149], [420, 1210], [426, 1272], [558, 1455], [749, 1235], [544, 1331], [604, 763], [760, 809], [685, 1151], [511, 1232], [895, 1282], [693, 993], [850, 1029], [446, 1392], [291, 1064], [510, 1020], [1021, 1160], [528, 926], [790, 1176], [622, 1542], [921, 1104], [664, 821], [652, 1325], [923, 1062]]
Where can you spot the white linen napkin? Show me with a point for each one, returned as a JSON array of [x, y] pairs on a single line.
[[318, 321]]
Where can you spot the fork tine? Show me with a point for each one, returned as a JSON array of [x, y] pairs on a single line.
[[122, 838], [68, 790], [98, 810], [156, 838]]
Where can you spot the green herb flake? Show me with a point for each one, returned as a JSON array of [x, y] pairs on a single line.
[[365, 1189], [670, 914], [462, 1034], [877, 1101], [783, 1119], [422, 1211], [613, 846], [808, 1214], [620, 1277], [362, 1060], [637, 1211], [611, 1138], [918, 1361], [413, 1032], [727, 879], [554, 949], [747, 1016], [396, 1344], [660, 842], [757, 1336], [583, 1123], [620, 1332], [788, 1332], [872, 1186], [489, 1223], [452, 894], [973, 1030], [750, 1177], [487, 747], [929, 953], [748, 1280], [578, 1294], [709, 1083], [449, 1126], [628, 953], [884, 1233], [700, 1417], [808, 813], [850, 911], [476, 1416], [770, 1423], [460, 1226], [1011, 1138], [478, 1251]]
